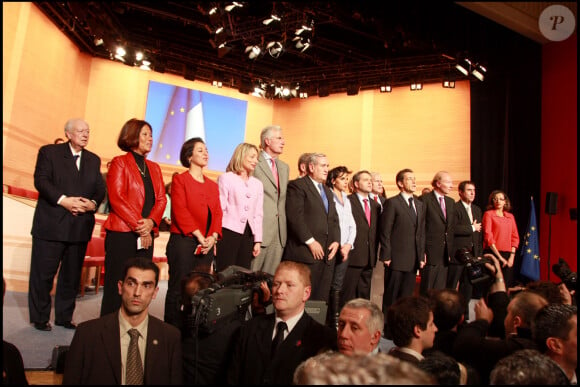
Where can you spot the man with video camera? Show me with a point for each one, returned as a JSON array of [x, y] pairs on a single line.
[[473, 344], [207, 340]]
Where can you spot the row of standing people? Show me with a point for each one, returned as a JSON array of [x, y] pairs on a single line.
[[295, 221]]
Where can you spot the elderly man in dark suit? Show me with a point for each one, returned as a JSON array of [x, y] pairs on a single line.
[[402, 238], [270, 347], [363, 257], [70, 186], [439, 220], [101, 349], [273, 173], [313, 225]]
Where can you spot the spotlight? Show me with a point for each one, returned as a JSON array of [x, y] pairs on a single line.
[[190, 72], [98, 41], [463, 66], [253, 51], [416, 85], [448, 84], [259, 89], [217, 79], [479, 72], [120, 54], [271, 19], [233, 5], [145, 65], [275, 49], [246, 86], [352, 88], [386, 86], [139, 56], [302, 44], [323, 90]]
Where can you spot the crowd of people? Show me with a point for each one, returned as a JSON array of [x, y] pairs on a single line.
[[319, 237]]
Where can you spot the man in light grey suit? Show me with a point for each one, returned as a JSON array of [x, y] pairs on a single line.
[[273, 173]]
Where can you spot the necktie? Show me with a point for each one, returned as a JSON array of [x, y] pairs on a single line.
[[324, 198], [442, 203], [76, 159], [470, 214], [377, 199], [134, 366], [279, 338], [274, 172], [412, 206], [367, 211]]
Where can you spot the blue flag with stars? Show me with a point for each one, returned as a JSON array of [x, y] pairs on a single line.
[[531, 251]]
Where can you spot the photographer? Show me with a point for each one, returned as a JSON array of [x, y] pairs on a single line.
[[206, 352], [569, 279], [472, 345]]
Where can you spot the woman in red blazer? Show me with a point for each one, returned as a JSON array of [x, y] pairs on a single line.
[[196, 224], [137, 198]]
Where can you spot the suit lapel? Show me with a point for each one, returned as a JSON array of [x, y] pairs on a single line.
[[266, 170], [112, 343]]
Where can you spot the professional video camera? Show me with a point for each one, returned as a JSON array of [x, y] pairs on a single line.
[[477, 272], [226, 299], [568, 277]]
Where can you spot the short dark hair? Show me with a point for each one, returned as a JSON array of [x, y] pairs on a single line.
[[443, 367], [334, 173], [461, 186], [553, 320], [448, 307], [143, 264], [129, 136], [187, 150], [404, 314], [527, 367], [401, 174]]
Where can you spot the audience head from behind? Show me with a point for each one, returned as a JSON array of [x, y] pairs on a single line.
[[548, 289], [336, 368], [445, 369], [360, 326], [291, 288], [410, 323], [521, 311], [555, 331], [59, 140], [527, 367], [448, 307], [138, 288]]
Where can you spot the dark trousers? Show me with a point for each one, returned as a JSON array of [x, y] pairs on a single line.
[[321, 272], [45, 259], [454, 274], [432, 277], [397, 284], [181, 261], [235, 249], [119, 248]]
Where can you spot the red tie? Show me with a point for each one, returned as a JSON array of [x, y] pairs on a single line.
[[367, 211], [377, 199], [274, 172]]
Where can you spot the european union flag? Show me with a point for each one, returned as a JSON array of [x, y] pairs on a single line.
[[531, 251]]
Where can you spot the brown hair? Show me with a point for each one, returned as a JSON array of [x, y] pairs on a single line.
[[129, 136]]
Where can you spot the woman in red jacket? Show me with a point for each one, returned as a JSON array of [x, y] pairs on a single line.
[[137, 198], [196, 223], [500, 233]]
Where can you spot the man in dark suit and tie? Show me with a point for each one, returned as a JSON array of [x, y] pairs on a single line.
[[439, 220], [273, 173], [363, 257], [270, 347], [466, 234], [313, 226], [101, 349], [402, 238], [70, 186]]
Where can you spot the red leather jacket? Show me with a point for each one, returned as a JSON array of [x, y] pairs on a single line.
[[127, 194]]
